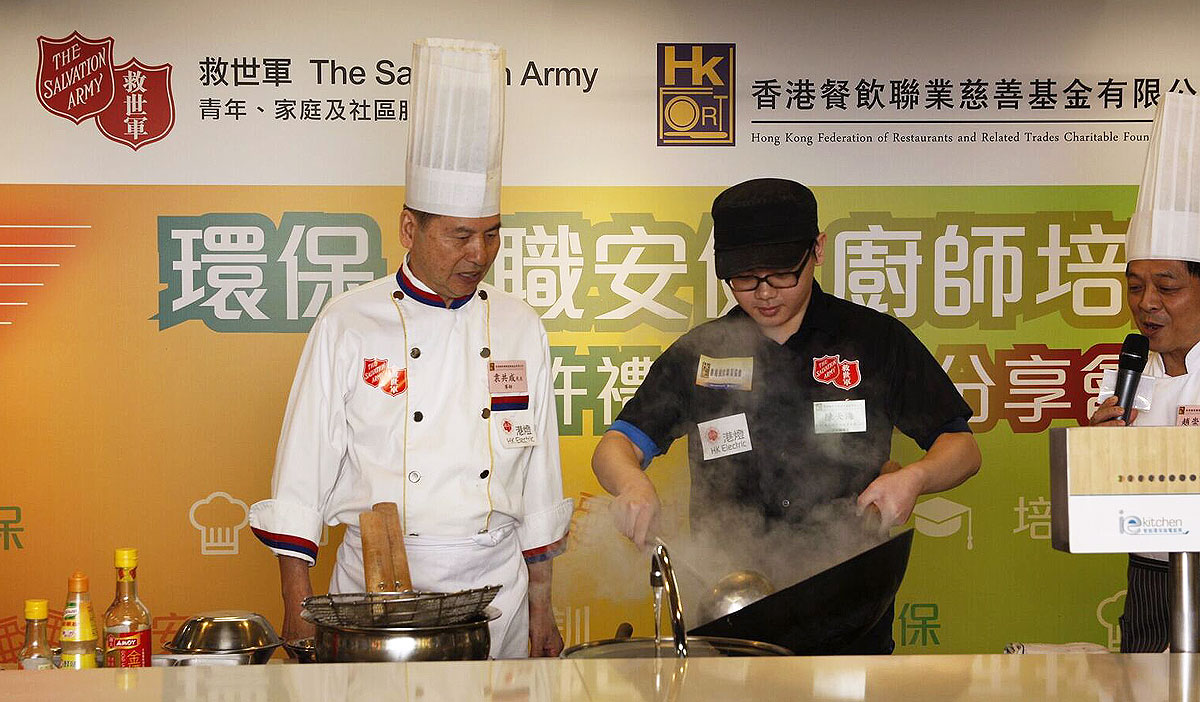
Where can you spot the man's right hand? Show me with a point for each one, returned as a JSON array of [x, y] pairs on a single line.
[[635, 512], [295, 586], [1108, 414], [617, 463]]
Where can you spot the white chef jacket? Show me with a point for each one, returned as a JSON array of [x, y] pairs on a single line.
[[395, 400], [1170, 392]]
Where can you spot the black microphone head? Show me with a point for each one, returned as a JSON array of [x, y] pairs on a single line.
[[1133, 353]]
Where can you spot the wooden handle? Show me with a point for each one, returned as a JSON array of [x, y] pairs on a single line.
[[399, 558], [377, 560]]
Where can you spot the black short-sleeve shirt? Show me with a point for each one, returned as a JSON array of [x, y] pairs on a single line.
[[842, 351]]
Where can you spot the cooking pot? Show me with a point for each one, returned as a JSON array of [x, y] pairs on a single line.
[[698, 647], [463, 641], [831, 613]]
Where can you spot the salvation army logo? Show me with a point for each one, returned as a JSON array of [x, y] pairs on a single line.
[[378, 374], [373, 370], [832, 370], [132, 103], [75, 76], [144, 110]]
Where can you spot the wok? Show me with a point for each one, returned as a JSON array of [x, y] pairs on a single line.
[[829, 613]]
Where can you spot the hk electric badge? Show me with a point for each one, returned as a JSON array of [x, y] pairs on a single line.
[[131, 103]]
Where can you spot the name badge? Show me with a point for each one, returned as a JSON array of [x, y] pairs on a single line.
[[508, 386], [507, 378], [726, 436], [725, 373], [516, 434], [840, 416], [1188, 416]]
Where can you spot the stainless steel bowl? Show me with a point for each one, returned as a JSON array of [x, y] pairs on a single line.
[[463, 641], [303, 650], [225, 632]]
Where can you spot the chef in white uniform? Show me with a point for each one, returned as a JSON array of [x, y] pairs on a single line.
[[1162, 248], [431, 388]]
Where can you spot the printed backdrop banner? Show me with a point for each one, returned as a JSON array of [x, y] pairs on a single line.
[[184, 188]]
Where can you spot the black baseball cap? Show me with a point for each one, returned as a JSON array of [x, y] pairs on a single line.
[[763, 223]]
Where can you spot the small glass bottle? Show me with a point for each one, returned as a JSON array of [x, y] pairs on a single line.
[[35, 654], [78, 634], [127, 621]]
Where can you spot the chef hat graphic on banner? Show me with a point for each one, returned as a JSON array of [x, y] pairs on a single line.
[[1166, 223], [456, 128], [219, 517]]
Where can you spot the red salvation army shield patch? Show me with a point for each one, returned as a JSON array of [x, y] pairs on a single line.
[[378, 374], [143, 110], [832, 370], [75, 75], [373, 370]]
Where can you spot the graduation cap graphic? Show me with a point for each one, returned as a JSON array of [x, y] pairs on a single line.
[[940, 517]]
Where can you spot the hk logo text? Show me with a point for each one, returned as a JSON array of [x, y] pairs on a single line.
[[695, 94]]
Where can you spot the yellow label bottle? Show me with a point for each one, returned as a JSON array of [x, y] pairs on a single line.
[[78, 636]]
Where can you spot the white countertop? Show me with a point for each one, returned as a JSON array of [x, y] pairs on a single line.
[[1073, 677]]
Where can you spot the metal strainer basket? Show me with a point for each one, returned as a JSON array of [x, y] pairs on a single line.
[[399, 609]]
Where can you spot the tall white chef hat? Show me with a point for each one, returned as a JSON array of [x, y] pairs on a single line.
[[455, 128], [1166, 223]]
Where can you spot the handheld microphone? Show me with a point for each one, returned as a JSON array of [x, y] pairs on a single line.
[[1129, 371]]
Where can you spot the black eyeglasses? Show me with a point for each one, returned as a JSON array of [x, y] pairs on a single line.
[[779, 281]]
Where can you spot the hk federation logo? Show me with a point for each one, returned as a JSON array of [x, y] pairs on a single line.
[[695, 94], [131, 103]]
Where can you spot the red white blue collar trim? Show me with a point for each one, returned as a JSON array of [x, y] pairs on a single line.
[[409, 288]]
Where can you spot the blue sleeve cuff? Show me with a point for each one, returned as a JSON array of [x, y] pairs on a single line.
[[956, 425], [647, 446]]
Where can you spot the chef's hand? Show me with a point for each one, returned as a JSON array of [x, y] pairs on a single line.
[[544, 638], [617, 463], [894, 495], [635, 512], [296, 585], [1108, 414]]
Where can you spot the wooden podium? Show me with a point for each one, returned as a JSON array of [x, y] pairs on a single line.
[[1129, 490], [1123, 490]]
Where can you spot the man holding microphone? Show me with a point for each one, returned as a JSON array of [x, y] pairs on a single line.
[[1162, 249]]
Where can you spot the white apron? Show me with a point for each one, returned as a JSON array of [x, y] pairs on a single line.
[[453, 564]]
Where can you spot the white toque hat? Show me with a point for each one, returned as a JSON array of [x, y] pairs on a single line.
[[455, 128], [1166, 223]]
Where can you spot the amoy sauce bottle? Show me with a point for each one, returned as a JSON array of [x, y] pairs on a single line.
[[78, 634], [127, 621]]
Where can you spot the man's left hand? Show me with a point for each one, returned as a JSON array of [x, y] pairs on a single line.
[[894, 495], [545, 641]]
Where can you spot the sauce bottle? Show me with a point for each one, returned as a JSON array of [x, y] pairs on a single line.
[[78, 635], [127, 621], [35, 654]]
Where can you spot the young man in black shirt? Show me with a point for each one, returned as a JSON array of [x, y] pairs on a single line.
[[789, 400]]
